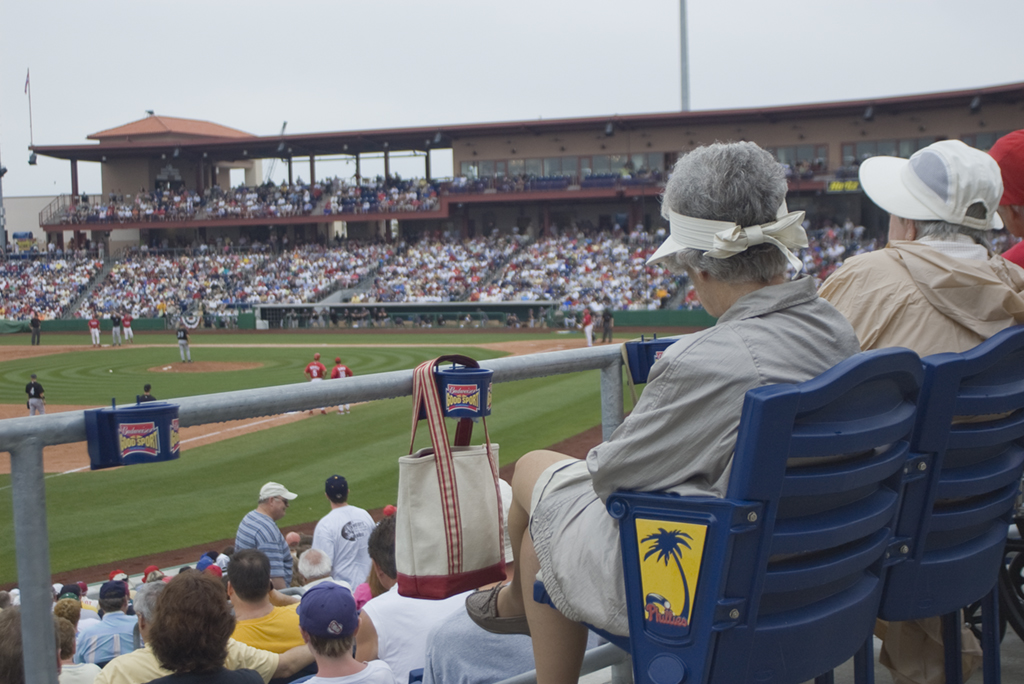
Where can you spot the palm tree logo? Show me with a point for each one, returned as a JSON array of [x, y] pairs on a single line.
[[669, 545]]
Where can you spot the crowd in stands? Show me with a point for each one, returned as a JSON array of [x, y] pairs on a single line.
[[153, 285], [439, 269], [378, 196], [43, 286], [584, 268], [269, 200], [577, 267], [282, 606], [324, 197]]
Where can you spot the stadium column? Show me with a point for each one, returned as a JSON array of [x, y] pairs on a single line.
[[357, 169], [312, 170], [387, 164], [74, 182], [289, 170], [427, 172]]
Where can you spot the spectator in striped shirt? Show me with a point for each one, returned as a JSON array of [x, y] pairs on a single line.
[[258, 530]]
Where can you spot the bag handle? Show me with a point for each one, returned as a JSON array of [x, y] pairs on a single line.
[[425, 394]]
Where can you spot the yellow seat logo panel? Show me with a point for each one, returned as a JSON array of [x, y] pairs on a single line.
[[670, 554]]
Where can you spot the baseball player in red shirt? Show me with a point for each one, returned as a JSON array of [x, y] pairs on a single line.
[[126, 328], [316, 371], [94, 330], [341, 371]]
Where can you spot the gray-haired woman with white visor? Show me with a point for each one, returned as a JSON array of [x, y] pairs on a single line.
[[731, 233]]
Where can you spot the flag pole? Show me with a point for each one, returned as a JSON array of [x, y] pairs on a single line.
[[28, 89]]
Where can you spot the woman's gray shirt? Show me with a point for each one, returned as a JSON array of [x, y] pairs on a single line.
[[680, 437]]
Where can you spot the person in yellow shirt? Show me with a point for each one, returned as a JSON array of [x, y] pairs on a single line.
[[141, 665], [265, 619]]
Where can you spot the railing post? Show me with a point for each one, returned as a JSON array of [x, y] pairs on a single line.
[[611, 397], [32, 549], [622, 671]]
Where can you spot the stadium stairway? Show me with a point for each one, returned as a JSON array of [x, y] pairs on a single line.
[[345, 294], [69, 313]]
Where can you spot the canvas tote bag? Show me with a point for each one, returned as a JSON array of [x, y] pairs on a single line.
[[449, 527]]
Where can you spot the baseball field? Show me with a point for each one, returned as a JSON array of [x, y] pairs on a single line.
[[108, 516]]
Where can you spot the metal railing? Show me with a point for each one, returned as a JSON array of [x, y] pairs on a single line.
[[24, 438]]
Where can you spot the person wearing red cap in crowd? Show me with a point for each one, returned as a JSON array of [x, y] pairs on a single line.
[[1009, 154], [316, 371], [341, 371]]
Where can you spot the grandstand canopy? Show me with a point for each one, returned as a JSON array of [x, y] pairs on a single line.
[[158, 135]]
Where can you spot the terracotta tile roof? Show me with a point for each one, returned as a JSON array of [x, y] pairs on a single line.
[[163, 125]]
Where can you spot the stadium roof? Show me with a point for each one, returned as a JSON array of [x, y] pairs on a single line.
[[229, 146], [167, 126]]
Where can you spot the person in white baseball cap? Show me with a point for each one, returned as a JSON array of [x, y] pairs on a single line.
[[936, 287], [258, 530]]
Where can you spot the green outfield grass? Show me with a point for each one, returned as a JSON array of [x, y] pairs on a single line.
[[94, 376], [328, 336], [106, 516]]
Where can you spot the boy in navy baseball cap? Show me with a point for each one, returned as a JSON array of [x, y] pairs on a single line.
[[328, 620]]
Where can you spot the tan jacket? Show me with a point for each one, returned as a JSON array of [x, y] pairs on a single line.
[[911, 295]]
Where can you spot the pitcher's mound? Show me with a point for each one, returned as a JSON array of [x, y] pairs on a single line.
[[206, 367]]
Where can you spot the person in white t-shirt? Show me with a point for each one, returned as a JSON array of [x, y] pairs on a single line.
[[328, 620], [71, 673], [392, 627], [343, 533]]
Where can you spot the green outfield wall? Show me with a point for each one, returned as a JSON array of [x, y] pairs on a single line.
[[664, 318]]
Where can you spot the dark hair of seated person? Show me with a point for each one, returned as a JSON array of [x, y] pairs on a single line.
[[192, 625]]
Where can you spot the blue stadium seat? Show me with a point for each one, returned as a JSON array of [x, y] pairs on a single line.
[[958, 503], [780, 581]]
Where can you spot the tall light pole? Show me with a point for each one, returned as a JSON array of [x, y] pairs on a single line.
[[3, 216], [684, 57]]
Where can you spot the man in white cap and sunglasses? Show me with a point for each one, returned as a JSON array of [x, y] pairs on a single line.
[[936, 287], [258, 530]]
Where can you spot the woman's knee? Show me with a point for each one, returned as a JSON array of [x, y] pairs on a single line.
[[529, 468]]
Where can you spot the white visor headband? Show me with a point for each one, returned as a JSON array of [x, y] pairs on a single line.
[[723, 239]]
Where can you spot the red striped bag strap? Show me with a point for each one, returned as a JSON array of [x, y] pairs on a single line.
[[425, 394]]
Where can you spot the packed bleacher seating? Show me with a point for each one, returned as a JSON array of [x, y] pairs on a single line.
[[43, 285], [439, 269], [329, 196], [377, 196], [154, 284], [579, 267], [582, 269], [325, 197]]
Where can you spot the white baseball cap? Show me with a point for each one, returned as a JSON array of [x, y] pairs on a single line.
[[272, 489], [938, 183]]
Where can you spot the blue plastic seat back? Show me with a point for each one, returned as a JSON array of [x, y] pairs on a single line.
[[961, 501], [780, 581]]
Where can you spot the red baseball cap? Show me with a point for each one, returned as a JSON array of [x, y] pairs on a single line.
[[1009, 154], [337, 359]]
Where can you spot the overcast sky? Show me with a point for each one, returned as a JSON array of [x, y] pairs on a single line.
[[339, 65]]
